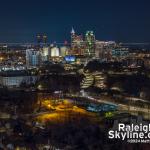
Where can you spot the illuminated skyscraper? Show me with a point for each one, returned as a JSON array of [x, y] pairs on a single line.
[[39, 38], [77, 43], [44, 39], [72, 32], [90, 44], [103, 49]]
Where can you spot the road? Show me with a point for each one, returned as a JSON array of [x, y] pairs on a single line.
[[121, 107]]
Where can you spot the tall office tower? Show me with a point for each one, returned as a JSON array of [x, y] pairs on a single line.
[[90, 44], [77, 44], [110, 45], [44, 40], [73, 34], [33, 58], [39, 38], [99, 49], [103, 50]]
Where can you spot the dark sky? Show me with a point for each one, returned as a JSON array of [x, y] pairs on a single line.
[[120, 20]]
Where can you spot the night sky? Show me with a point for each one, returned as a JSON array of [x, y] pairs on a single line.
[[119, 20]]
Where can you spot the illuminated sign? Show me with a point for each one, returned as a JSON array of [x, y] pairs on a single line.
[[70, 58]]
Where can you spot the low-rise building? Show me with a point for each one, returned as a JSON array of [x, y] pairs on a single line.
[[14, 79]]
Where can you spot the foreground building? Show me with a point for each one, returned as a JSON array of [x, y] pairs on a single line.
[[14, 79]]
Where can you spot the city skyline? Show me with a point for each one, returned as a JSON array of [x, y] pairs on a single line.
[[74, 75], [112, 20]]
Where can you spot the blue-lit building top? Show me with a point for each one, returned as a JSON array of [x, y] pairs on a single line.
[[119, 52]]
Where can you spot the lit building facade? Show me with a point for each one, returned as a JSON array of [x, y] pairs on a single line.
[[77, 44], [33, 58], [119, 53], [55, 52], [64, 50], [99, 49], [41, 38], [90, 44], [103, 50], [13, 79]]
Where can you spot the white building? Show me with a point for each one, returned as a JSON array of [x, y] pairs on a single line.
[[55, 52], [64, 50]]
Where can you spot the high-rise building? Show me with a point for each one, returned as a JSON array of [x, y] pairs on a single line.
[[44, 39], [41, 39], [99, 49], [33, 58], [77, 44], [90, 44], [103, 50]]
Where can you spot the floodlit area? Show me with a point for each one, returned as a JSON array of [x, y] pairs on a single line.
[[62, 111]]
